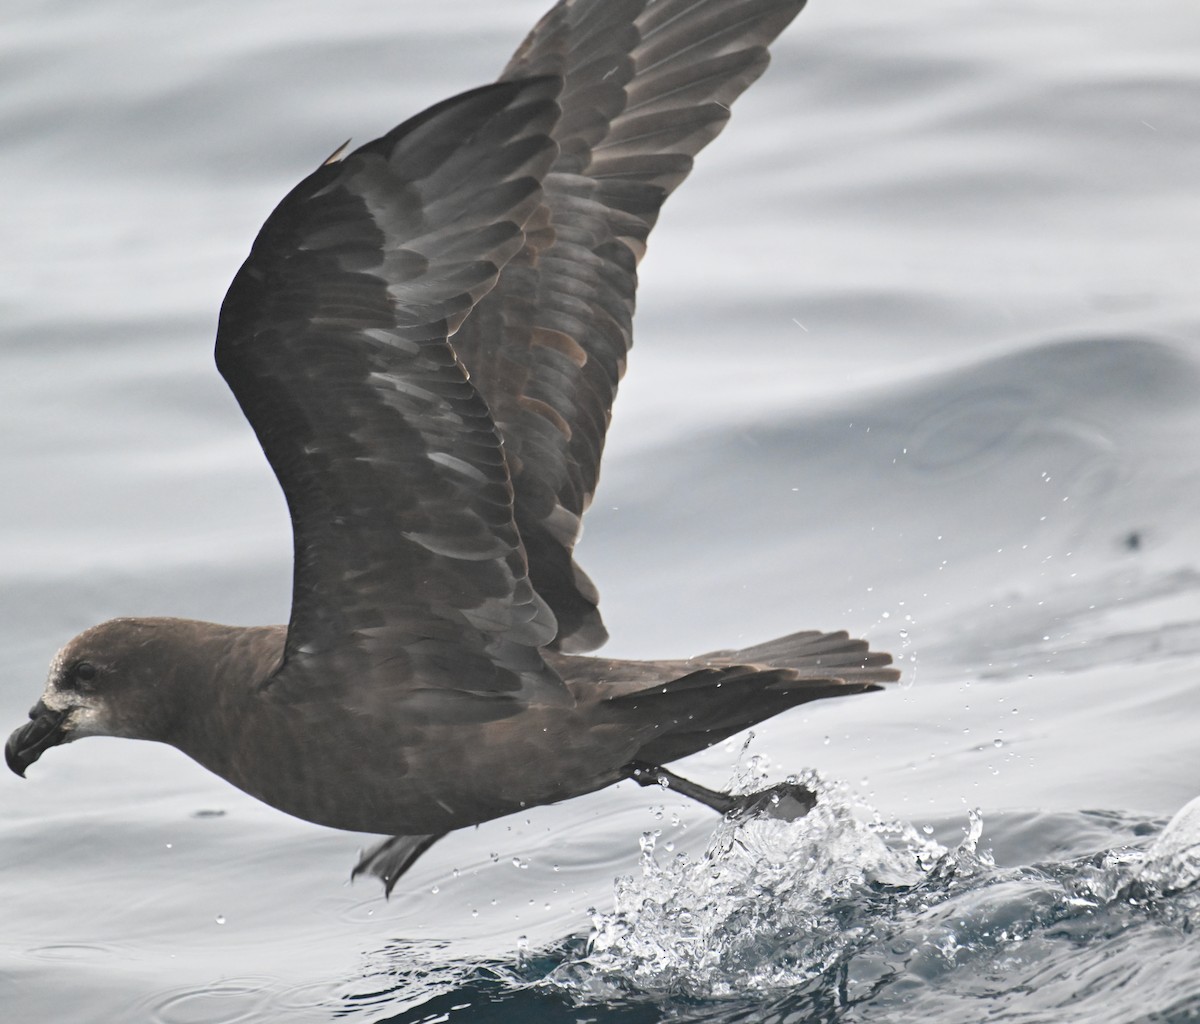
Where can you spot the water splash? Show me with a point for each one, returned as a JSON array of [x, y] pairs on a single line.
[[842, 907], [822, 917], [1172, 863], [768, 905]]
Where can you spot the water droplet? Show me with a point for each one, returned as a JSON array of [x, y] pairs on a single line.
[[997, 742], [927, 829], [904, 634], [435, 890], [220, 919]]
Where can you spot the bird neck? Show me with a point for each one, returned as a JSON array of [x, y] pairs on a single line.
[[217, 684]]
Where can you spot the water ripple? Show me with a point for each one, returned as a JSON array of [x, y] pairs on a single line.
[[226, 1002]]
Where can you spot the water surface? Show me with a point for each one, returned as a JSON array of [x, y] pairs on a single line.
[[917, 356]]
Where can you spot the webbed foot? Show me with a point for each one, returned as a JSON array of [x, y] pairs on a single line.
[[389, 859], [786, 801]]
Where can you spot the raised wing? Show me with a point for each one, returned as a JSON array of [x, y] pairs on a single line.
[[333, 337], [648, 83]]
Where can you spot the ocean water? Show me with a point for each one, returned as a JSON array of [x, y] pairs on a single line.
[[918, 356]]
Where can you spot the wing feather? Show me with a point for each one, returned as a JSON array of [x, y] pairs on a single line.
[[333, 338], [647, 84]]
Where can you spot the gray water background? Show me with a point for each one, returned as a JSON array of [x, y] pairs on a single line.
[[918, 355]]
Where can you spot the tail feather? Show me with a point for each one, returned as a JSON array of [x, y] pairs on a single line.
[[729, 691], [813, 653]]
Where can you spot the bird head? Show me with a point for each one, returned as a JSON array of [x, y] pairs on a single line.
[[106, 682]]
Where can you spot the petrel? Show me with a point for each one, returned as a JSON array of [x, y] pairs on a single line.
[[427, 337]]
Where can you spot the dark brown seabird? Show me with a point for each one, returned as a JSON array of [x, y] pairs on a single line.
[[427, 337]]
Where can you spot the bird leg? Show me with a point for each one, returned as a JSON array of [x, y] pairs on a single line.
[[786, 801], [389, 859]]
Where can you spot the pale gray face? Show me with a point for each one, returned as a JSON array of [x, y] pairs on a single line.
[[84, 695]]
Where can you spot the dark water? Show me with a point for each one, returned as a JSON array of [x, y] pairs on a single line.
[[918, 356]]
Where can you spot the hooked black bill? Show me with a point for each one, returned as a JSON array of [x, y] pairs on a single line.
[[26, 744]]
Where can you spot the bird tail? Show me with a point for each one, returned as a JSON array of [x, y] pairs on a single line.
[[728, 691]]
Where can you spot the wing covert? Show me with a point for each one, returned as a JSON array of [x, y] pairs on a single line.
[[333, 338]]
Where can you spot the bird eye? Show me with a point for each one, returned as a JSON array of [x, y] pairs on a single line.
[[84, 672]]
